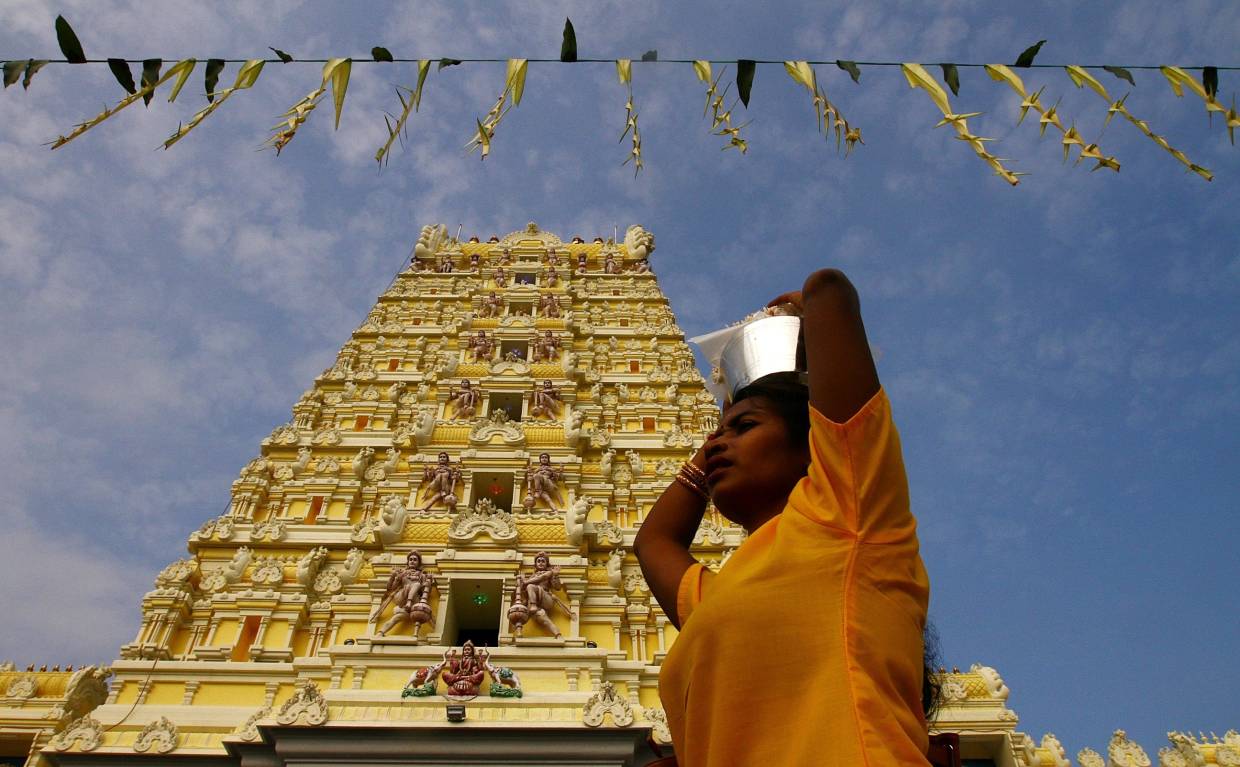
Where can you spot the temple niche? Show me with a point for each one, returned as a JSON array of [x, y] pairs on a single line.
[[440, 534]]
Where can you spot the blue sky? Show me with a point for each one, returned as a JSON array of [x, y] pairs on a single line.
[[1063, 357]]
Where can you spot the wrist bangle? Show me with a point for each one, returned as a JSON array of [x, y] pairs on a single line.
[[694, 472], [698, 487]]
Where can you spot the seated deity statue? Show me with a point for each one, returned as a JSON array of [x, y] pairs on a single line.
[[500, 277], [481, 346], [445, 265], [408, 588], [464, 673], [492, 305], [546, 347], [550, 277], [465, 399], [440, 480], [536, 591], [546, 401], [581, 263], [506, 258], [474, 262], [542, 483], [548, 305], [642, 266], [609, 264]]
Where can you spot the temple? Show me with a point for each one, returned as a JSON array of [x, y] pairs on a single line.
[[429, 563]]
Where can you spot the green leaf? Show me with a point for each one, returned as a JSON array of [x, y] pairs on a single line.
[[1025, 59], [32, 66], [1122, 74], [447, 63], [744, 78], [568, 48], [212, 77], [150, 73], [70, 46], [951, 76], [1209, 80], [281, 55], [379, 53], [851, 68], [13, 71], [650, 56], [120, 70]]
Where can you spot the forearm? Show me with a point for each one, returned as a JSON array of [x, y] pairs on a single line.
[[662, 543]]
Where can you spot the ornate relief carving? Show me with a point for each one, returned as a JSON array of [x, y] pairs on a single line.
[[484, 517], [497, 423], [272, 529], [86, 732], [159, 736], [327, 435], [309, 564], [994, 682], [285, 434], [268, 571], [307, 706], [230, 573], [248, 731], [575, 519], [1122, 752], [176, 574], [658, 724], [614, 564], [606, 700], [22, 688], [1182, 753]]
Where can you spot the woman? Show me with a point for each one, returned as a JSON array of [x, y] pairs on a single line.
[[807, 647]]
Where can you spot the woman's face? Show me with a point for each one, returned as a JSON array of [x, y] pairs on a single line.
[[750, 464]]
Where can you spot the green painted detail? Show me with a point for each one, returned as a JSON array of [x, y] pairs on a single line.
[[418, 691], [500, 691]]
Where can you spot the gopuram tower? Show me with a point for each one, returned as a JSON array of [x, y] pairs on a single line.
[[429, 564]]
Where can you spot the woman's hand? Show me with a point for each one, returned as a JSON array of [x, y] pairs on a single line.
[[791, 297]]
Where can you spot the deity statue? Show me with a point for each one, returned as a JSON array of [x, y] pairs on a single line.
[[550, 277], [491, 306], [548, 305], [482, 346], [581, 263], [609, 264], [535, 596], [546, 401], [642, 266], [445, 265], [553, 258], [514, 355], [441, 479], [474, 262], [465, 399], [464, 673], [506, 258], [542, 484], [546, 347], [500, 277], [408, 589]]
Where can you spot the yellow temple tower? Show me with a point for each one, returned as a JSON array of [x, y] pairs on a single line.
[[429, 563]]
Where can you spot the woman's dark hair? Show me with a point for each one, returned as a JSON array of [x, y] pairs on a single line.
[[789, 397]]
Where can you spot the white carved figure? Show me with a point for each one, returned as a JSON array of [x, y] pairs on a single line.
[[994, 682], [430, 241], [542, 483], [638, 242], [395, 391], [159, 736], [573, 425], [361, 461], [614, 563], [306, 706], [623, 391], [635, 462], [392, 517], [331, 580], [606, 461], [419, 429], [382, 471], [440, 481], [229, 573], [1059, 757], [310, 563], [575, 519], [1182, 753], [303, 460], [85, 731], [350, 390]]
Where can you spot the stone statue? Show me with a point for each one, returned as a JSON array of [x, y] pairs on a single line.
[[482, 346], [575, 519], [574, 421], [310, 564], [429, 241], [638, 242], [581, 263], [392, 516], [505, 258], [542, 484], [642, 266], [395, 391], [408, 588], [546, 347], [303, 460], [492, 305], [445, 265], [361, 461], [441, 479], [614, 563], [465, 399], [550, 277], [548, 305], [546, 402], [500, 277], [606, 462], [536, 592], [609, 264], [464, 673]]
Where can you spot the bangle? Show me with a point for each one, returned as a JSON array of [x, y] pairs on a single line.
[[694, 472], [695, 485]]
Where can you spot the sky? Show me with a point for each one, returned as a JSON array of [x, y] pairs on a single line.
[[1062, 357]]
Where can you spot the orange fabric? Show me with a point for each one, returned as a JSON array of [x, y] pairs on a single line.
[[806, 648]]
